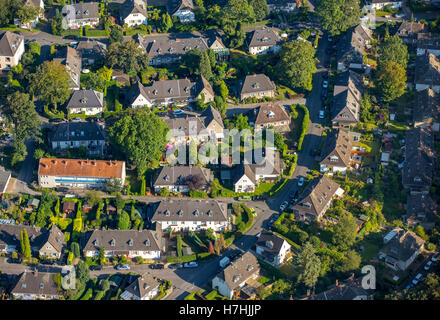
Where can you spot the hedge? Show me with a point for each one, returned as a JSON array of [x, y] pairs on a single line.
[[72, 32], [271, 271], [96, 33], [189, 258], [304, 126], [179, 246], [281, 186], [198, 194]]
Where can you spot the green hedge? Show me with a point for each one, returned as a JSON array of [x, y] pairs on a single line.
[[281, 186], [304, 125], [198, 194], [189, 258], [96, 33], [72, 32]]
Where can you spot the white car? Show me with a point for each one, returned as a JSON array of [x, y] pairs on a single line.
[[321, 114], [417, 278], [123, 267], [178, 111], [300, 181], [434, 258], [428, 265], [283, 205], [191, 264], [325, 84]]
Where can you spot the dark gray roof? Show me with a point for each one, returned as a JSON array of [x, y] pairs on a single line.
[[427, 70], [347, 94], [428, 105], [268, 113], [38, 283], [403, 245], [337, 149], [119, 241], [410, 29], [91, 48], [177, 175], [210, 114], [420, 208], [268, 167], [86, 99], [9, 43], [78, 11], [257, 83], [264, 37], [5, 175], [202, 83], [352, 44], [142, 285], [76, 131], [69, 57], [348, 290], [133, 6], [270, 242], [190, 210], [189, 126], [428, 41]]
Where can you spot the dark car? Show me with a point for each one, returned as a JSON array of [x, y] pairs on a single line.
[[48, 262], [62, 189], [156, 266], [294, 195], [56, 120], [18, 260], [175, 266], [95, 268]]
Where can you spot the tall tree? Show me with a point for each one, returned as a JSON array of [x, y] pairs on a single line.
[[51, 83], [25, 244], [127, 56], [123, 221], [115, 35], [393, 49], [142, 136], [308, 264], [261, 9], [296, 65], [239, 10], [344, 234], [390, 80], [338, 15], [28, 13]]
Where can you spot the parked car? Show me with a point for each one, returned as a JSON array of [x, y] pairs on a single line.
[[294, 194], [417, 278], [329, 38], [178, 111], [300, 181], [56, 120], [76, 119], [428, 265], [409, 286], [325, 84], [434, 258], [321, 114], [175, 266], [122, 267], [47, 262], [191, 264], [254, 213], [95, 268], [156, 266], [283, 205]]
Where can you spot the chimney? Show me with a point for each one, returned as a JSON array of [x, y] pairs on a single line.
[[35, 272], [308, 292], [337, 283]]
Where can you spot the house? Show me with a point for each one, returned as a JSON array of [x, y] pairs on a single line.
[[46, 243], [183, 9], [380, 4], [204, 90], [230, 280], [68, 135], [89, 102], [81, 14], [11, 50], [427, 111], [145, 287], [70, 58], [133, 13], [264, 40], [246, 177], [68, 207], [421, 210], [191, 215], [91, 51], [418, 169], [147, 244], [336, 153], [347, 96], [269, 116], [5, 177], [175, 178], [36, 286], [428, 43], [186, 129], [79, 173], [162, 93], [427, 73], [33, 23], [352, 47], [272, 248], [401, 250], [408, 31], [351, 289], [213, 121], [281, 5], [258, 86], [316, 199]]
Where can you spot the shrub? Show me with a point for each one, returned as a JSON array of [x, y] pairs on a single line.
[[304, 125], [164, 192], [198, 194]]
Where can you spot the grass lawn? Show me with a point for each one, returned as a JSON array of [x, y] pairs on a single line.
[[289, 270], [284, 92], [264, 280], [12, 29], [370, 250], [263, 188]]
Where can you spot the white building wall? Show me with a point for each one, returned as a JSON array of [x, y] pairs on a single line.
[[195, 225], [222, 287], [87, 111], [135, 19]]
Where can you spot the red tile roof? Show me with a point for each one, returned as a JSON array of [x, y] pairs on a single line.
[[81, 168]]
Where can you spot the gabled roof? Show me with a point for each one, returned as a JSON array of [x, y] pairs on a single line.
[[165, 89], [403, 245], [410, 28], [133, 6], [353, 44], [89, 47], [177, 175], [9, 43], [202, 83], [427, 104], [176, 5], [428, 41], [347, 97], [69, 57], [86, 99], [268, 113], [264, 37], [270, 243], [56, 238], [337, 149], [78, 11], [420, 208], [38, 283], [348, 290], [210, 114], [76, 131], [142, 286], [188, 127], [269, 167], [427, 70], [257, 83]]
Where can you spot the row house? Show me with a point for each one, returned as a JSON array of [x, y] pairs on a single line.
[[352, 47], [337, 152], [257, 86], [175, 178], [427, 74], [269, 116], [428, 43], [427, 113], [71, 58]]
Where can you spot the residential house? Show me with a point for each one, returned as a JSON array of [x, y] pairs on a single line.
[[70, 58], [347, 95], [351, 289], [183, 9], [213, 122], [380, 4], [427, 72], [36, 286], [81, 14], [175, 178], [264, 40], [281, 5], [408, 31], [427, 111], [5, 177], [272, 248], [79, 173], [145, 287], [133, 13], [68, 135], [352, 47], [91, 51], [421, 210], [257, 86], [11, 50], [191, 215], [401, 250], [246, 177], [428, 43], [204, 90], [186, 129], [148, 244], [33, 23], [336, 153], [89, 102], [316, 199], [230, 280], [269, 116], [418, 169]]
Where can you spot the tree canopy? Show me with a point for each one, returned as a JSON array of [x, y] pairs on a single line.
[[394, 50], [344, 234], [308, 264], [338, 15], [127, 56], [390, 80]]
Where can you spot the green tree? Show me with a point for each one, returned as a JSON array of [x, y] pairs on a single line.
[[345, 232], [28, 13], [82, 272], [113, 185], [261, 9], [197, 61], [296, 65], [124, 221], [25, 245], [94, 81], [74, 247], [394, 50], [390, 80], [93, 197], [120, 202], [239, 10], [351, 261], [308, 264], [338, 15], [127, 56], [166, 23], [51, 83], [56, 23], [142, 136], [115, 35]]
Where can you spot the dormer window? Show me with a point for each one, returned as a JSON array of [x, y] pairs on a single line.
[[112, 242], [256, 85], [147, 243], [83, 100], [236, 278], [180, 213], [155, 92], [196, 212], [209, 213], [170, 90], [167, 212], [130, 242], [250, 267]]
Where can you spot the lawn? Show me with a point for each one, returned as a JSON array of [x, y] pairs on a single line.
[[263, 188], [370, 250], [284, 92]]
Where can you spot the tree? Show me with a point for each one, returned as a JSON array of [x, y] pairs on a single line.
[[296, 65], [195, 182], [115, 35], [261, 9], [120, 202], [366, 109], [142, 136], [220, 105], [127, 56], [124, 221], [93, 81], [113, 185], [51, 83], [308, 264], [223, 89], [28, 13], [74, 247], [338, 15], [351, 261], [239, 10], [25, 245], [56, 23], [345, 232], [93, 197], [390, 80], [197, 61], [82, 272], [393, 49], [102, 259], [166, 23]]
